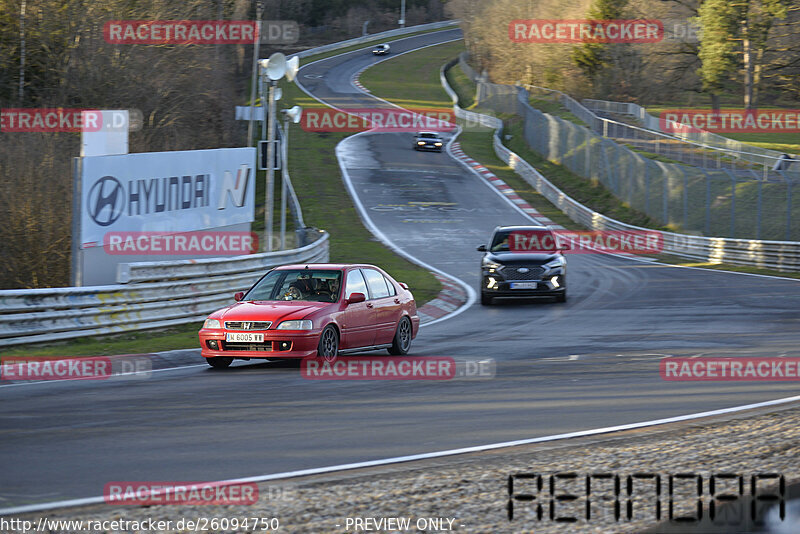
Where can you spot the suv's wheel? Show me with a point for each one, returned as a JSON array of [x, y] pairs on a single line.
[[486, 300], [328, 348], [402, 338], [219, 362]]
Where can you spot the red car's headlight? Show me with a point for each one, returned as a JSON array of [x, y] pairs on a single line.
[[212, 323], [296, 325]]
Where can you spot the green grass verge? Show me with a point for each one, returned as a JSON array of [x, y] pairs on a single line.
[[463, 87], [370, 43], [782, 142], [391, 80], [553, 107], [134, 342], [588, 192]]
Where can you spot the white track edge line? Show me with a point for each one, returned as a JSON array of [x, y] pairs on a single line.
[[425, 456], [364, 216]]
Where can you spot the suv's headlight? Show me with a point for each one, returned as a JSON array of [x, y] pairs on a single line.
[[555, 264], [212, 323], [489, 264], [296, 325]]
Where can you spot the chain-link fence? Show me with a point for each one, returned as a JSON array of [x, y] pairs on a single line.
[[721, 202], [738, 149], [715, 202]]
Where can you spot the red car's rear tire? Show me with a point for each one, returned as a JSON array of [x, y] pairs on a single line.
[[402, 338]]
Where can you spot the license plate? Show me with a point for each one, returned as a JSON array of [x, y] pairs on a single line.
[[244, 337], [523, 285]]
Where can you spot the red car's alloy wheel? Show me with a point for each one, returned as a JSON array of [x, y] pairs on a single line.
[[402, 338], [328, 347]]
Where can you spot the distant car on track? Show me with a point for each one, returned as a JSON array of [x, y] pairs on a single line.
[[509, 272], [381, 50], [315, 310], [428, 141]]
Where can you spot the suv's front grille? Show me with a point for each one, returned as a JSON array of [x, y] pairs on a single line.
[[247, 325], [511, 272]]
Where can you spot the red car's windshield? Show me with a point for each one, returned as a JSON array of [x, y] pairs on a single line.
[[298, 284]]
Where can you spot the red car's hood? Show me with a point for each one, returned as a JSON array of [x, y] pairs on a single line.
[[270, 310]]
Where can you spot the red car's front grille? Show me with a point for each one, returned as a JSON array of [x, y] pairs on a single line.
[[247, 325]]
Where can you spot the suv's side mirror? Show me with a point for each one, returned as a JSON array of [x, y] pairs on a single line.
[[356, 298], [238, 296], [482, 248]]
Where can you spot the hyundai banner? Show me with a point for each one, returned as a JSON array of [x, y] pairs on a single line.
[[166, 192], [161, 206]]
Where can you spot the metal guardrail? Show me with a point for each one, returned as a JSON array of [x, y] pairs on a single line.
[[196, 288], [778, 255], [371, 37], [748, 152], [694, 142], [160, 294]]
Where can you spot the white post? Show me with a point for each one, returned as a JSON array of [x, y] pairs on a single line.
[[268, 207], [284, 173], [259, 8]]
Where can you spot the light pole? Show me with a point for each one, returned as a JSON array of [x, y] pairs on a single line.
[[275, 68], [293, 113], [259, 10], [402, 13]]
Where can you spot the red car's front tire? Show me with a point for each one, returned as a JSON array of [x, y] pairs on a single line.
[[219, 362], [328, 348]]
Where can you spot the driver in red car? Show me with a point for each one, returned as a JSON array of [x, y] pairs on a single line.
[[300, 288]]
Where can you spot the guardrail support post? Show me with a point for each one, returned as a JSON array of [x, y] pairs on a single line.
[[685, 199], [758, 211], [788, 210], [665, 200], [707, 231], [647, 186], [733, 206]]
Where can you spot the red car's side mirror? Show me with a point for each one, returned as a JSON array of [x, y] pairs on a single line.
[[238, 296], [403, 285], [355, 298]]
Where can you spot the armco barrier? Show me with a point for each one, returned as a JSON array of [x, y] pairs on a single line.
[[158, 294], [779, 255], [748, 152], [196, 288], [371, 37]]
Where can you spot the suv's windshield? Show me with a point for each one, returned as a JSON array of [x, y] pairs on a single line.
[[428, 135], [523, 240], [298, 284]]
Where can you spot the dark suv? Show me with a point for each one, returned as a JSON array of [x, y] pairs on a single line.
[[511, 268]]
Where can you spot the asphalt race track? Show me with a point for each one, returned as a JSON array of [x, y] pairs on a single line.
[[589, 363]]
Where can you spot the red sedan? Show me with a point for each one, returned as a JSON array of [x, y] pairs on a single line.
[[301, 311]]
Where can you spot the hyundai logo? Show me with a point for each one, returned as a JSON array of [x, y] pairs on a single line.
[[523, 270], [107, 192]]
